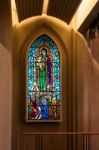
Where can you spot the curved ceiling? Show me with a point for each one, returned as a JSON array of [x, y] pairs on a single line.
[[62, 9]]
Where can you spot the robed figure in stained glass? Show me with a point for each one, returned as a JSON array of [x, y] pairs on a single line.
[[44, 71]]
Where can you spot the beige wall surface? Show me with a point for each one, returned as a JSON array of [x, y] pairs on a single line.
[[5, 98], [5, 76]]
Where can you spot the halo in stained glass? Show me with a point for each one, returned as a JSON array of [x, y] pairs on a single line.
[[43, 100]]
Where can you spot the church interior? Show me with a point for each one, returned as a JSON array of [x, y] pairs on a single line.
[[49, 74]]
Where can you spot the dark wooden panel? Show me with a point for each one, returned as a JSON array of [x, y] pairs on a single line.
[[71, 9], [28, 8], [54, 142], [55, 8], [63, 9], [28, 142]]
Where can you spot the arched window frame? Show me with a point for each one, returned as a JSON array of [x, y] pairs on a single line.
[[39, 120]]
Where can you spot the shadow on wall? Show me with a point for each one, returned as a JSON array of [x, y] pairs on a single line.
[[91, 88], [5, 98]]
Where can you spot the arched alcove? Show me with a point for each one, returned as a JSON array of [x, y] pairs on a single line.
[[70, 45], [52, 42], [24, 40]]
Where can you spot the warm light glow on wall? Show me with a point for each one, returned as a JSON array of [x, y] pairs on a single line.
[[15, 19], [82, 12], [45, 6]]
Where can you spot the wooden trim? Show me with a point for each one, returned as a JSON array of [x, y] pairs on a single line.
[[60, 133]]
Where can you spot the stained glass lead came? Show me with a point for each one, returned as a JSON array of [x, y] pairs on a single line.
[[43, 80]]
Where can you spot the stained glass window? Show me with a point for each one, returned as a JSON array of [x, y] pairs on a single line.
[[43, 101]]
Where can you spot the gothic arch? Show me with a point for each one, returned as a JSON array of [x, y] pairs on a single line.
[[43, 100], [44, 29]]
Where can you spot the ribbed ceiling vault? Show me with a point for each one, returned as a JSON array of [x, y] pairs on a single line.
[[63, 9]]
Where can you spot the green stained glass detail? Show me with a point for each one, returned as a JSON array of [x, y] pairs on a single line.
[[42, 79]]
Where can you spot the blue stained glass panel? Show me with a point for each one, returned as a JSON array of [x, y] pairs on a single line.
[[43, 101]]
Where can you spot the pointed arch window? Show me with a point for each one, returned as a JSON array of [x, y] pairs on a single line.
[[43, 100]]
